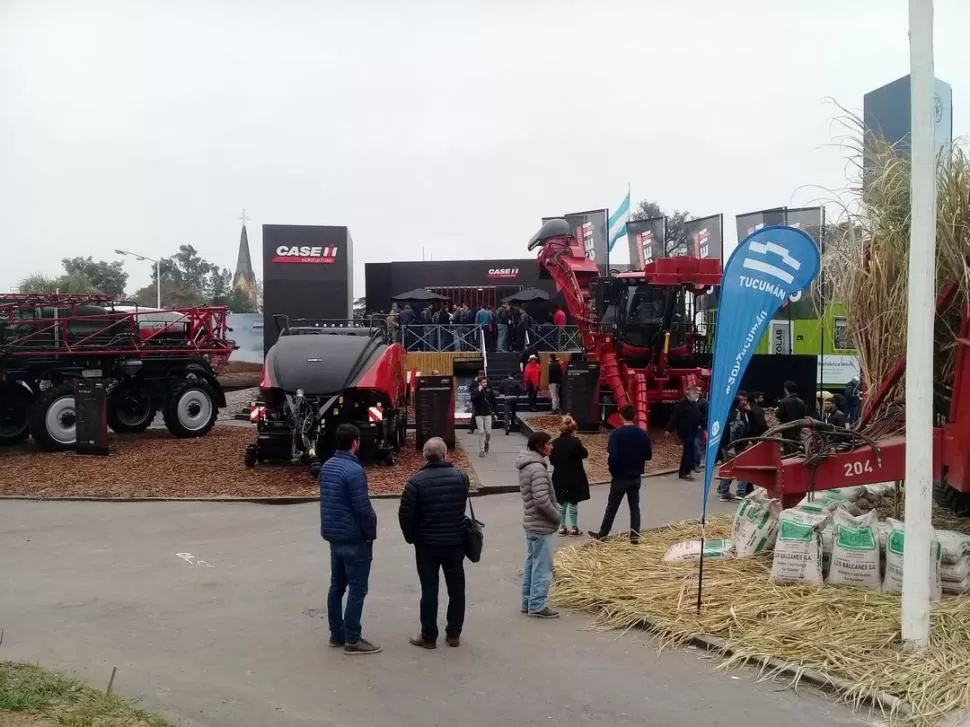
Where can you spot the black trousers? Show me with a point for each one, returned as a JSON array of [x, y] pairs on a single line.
[[451, 560], [533, 393], [620, 488], [511, 405]]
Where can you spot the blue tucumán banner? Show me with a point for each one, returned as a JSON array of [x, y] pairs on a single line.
[[769, 267]]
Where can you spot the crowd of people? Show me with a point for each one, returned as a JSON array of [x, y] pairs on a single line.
[[432, 518], [459, 327], [432, 511]]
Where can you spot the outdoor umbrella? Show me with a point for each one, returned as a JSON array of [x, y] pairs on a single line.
[[531, 295], [418, 295]]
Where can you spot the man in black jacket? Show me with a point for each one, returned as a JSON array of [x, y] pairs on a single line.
[[482, 412], [511, 390], [432, 517], [791, 408], [831, 414], [686, 421], [555, 381]]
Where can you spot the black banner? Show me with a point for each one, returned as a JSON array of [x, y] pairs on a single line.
[[590, 228], [307, 273], [91, 416], [754, 221], [705, 237], [807, 219], [434, 409], [647, 240], [581, 391]]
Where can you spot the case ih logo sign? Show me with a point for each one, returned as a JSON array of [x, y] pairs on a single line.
[[305, 254], [503, 272]]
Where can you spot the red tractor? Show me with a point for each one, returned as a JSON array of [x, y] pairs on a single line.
[[639, 326], [156, 360], [806, 455]]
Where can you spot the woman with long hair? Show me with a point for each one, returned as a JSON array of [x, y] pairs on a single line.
[[569, 474]]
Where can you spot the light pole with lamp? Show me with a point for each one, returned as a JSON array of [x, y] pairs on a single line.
[[158, 273]]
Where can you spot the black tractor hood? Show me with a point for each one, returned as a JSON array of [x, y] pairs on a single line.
[[321, 364]]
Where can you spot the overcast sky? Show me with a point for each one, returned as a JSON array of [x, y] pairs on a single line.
[[451, 127]]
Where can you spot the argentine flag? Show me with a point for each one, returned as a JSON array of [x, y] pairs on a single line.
[[618, 221]]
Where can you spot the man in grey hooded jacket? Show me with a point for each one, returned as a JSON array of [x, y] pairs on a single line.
[[541, 520]]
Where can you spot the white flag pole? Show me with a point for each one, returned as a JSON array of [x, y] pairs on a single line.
[[919, 338]]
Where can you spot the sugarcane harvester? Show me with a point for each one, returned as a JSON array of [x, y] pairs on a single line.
[[639, 326], [316, 378], [793, 459]]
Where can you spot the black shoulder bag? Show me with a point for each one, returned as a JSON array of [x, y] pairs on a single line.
[[474, 534]]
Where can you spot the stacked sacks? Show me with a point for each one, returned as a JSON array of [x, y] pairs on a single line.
[[753, 531], [856, 555], [798, 548], [955, 561], [892, 581], [755, 524]]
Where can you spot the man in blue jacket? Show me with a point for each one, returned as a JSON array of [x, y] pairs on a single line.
[[348, 522], [628, 451]]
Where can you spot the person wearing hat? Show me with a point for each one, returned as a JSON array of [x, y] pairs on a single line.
[[532, 378], [555, 381]]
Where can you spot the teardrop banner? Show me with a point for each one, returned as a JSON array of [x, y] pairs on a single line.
[[770, 266]]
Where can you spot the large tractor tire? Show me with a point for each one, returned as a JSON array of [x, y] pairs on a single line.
[[14, 414], [130, 409], [53, 419], [950, 498], [191, 409]]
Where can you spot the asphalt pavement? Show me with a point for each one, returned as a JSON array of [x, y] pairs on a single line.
[[215, 615]]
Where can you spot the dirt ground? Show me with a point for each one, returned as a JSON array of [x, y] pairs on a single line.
[[666, 450], [156, 464]]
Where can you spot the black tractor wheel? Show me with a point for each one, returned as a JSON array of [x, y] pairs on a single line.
[[191, 409], [130, 409], [251, 457], [53, 418], [950, 498], [14, 414]]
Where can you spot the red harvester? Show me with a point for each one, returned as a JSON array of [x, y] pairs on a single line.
[[639, 326]]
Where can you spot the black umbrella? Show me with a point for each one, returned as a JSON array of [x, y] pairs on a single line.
[[418, 295], [530, 295]]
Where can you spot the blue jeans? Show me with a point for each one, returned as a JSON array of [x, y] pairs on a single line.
[[349, 568], [689, 458], [743, 488], [698, 450], [537, 574], [503, 337]]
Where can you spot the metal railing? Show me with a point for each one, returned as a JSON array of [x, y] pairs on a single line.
[[458, 338]]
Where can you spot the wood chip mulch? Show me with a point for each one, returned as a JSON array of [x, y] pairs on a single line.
[[156, 464], [666, 450]]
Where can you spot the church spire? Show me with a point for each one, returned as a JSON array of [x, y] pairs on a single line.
[[244, 274]]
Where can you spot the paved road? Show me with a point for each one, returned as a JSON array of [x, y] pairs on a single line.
[[242, 641]]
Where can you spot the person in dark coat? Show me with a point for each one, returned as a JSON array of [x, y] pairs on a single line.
[[432, 517], [791, 408], [483, 409], [348, 522], [831, 414], [555, 381], [685, 421], [511, 390], [569, 474], [853, 400]]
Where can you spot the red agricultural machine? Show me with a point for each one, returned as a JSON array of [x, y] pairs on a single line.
[[803, 456], [317, 377], [639, 326], [157, 360]]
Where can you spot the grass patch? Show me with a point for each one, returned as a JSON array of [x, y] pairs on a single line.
[[30, 695]]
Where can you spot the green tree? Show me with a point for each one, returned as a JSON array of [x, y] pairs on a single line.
[[676, 224], [104, 276], [188, 280], [69, 283], [240, 302]]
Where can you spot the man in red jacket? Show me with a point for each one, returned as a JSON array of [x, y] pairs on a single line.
[[559, 321], [532, 378]]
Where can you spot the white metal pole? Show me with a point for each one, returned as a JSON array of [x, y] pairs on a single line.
[[919, 337], [158, 283]]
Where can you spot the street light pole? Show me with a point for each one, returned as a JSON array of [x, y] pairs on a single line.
[[158, 272], [917, 563]]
